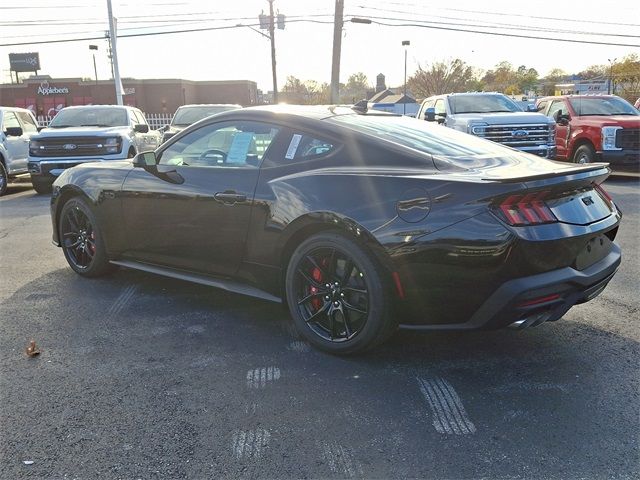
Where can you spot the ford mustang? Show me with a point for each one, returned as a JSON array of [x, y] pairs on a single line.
[[360, 221]]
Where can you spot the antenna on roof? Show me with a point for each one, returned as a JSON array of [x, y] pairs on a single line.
[[360, 107]]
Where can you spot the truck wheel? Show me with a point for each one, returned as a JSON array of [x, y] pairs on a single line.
[[132, 153], [41, 186], [4, 179], [584, 154]]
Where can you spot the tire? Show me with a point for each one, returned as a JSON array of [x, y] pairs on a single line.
[[4, 179], [584, 154], [41, 186], [338, 310], [81, 239]]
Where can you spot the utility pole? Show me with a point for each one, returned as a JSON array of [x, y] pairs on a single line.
[[114, 61], [95, 68], [337, 45], [272, 35], [610, 88], [405, 44]]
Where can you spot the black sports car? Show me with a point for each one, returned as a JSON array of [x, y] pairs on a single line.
[[360, 221]]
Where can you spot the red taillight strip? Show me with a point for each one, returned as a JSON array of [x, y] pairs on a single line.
[[537, 301], [529, 209]]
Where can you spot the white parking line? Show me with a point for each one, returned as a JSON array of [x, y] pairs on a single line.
[[340, 460], [249, 443], [259, 377], [449, 415], [122, 300]]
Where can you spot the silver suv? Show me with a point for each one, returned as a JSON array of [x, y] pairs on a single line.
[[17, 125], [92, 133], [493, 116]]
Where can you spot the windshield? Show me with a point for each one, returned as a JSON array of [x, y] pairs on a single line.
[[189, 115], [90, 117], [602, 106], [482, 104], [422, 136]]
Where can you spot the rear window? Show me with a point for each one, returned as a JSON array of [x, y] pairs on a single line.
[[422, 136]]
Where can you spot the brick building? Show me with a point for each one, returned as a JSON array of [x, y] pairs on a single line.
[[44, 95]]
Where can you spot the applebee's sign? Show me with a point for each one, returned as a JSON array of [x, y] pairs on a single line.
[[46, 89]]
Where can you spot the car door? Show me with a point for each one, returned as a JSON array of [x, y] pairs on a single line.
[[149, 140], [17, 147], [192, 210], [562, 131]]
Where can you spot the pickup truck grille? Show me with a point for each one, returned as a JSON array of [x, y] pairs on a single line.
[[628, 138], [69, 147], [516, 136]]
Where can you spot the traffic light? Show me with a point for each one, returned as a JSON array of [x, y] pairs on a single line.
[[280, 21]]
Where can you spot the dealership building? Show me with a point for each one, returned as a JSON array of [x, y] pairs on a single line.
[[45, 95]]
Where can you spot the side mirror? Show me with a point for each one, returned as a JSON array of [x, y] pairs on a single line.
[[430, 114], [141, 128], [13, 132], [145, 160], [560, 118]]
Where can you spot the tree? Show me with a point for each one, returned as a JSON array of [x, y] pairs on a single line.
[[626, 76], [441, 77], [355, 89], [555, 76]]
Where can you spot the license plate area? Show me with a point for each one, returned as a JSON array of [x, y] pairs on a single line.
[[595, 250]]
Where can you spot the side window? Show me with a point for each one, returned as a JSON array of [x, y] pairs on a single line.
[[28, 122], [228, 144], [140, 117], [542, 106], [305, 147], [10, 120], [439, 106], [555, 106], [426, 104]]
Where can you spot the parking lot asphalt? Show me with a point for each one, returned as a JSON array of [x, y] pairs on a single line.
[[146, 377]]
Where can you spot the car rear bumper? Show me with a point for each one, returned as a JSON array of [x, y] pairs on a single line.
[[529, 301]]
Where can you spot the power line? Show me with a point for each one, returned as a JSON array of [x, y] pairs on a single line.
[[494, 25], [498, 34], [504, 14]]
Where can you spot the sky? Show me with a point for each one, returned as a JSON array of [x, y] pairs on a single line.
[[304, 47]]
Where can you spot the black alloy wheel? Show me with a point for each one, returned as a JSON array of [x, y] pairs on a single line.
[[4, 179], [336, 295], [80, 239]]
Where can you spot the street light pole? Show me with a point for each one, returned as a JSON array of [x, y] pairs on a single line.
[[337, 46], [95, 68], [610, 88], [405, 44]]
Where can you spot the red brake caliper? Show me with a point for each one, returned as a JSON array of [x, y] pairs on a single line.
[[92, 247], [316, 274]]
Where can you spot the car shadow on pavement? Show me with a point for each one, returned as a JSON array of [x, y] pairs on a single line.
[[139, 372]]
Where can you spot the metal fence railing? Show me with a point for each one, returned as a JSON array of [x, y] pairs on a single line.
[[155, 120]]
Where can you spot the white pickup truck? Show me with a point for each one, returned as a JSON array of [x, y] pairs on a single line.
[[17, 125], [495, 117], [92, 133]]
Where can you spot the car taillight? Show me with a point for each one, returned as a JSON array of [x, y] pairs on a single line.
[[603, 193], [529, 209]]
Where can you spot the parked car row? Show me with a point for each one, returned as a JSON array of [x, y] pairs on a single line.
[[575, 128]]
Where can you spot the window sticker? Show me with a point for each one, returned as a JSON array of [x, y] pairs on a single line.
[[240, 147], [293, 146]]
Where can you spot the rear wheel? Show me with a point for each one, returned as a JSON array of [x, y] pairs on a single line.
[[337, 296], [584, 154], [81, 239], [4, 179], [41, 186]]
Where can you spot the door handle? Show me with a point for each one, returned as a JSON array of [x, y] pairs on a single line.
[[230, 197]]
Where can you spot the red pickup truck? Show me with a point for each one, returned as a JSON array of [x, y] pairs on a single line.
[[594, 128]]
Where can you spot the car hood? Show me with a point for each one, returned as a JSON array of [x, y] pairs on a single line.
[[503, 118], [79, 132], [625, 121]]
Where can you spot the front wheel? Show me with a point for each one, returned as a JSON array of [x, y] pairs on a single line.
[[337, 295], [4, 179], [41, 186], [584, 154], [81, 239]]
